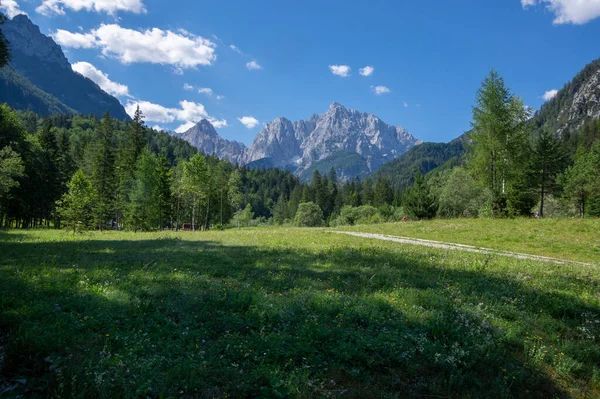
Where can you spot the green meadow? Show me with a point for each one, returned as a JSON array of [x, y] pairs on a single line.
[[276, 313]]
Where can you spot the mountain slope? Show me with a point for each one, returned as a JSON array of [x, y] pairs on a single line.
[[425, 158], [39, 60], [352, 142], [574, 106]]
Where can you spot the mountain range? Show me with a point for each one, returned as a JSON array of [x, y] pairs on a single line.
[[352, 142], [40, 78]]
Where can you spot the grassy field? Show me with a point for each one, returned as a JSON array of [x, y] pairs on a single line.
[[280, 313], [571, 239]]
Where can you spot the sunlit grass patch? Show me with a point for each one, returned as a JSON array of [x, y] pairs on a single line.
[[289, 312]]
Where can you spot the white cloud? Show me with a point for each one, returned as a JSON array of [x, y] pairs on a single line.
[[11, 8], [188, 87], [366, 71], [253, 66], [550, 94], [181, 50], [205, 90], [576, 12], [220, 97], [74, 40], [379, 90], [185, 127], [101, 79], [340, 70], [248, 121], [188, 112], [235, 48], [49, 7], [157, 128], [405, 105]]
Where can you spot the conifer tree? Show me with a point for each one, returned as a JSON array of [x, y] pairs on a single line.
[[548, 160], [103, 177], [234, 193], [418, 199], [162, 196], [75, 206], [4, 47]]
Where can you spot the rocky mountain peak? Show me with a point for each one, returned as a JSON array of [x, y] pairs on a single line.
[[23, 35], [204, 137]]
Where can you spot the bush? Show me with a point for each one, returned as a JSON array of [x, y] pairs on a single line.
[[309, 214], [365, 214], [461, 196]]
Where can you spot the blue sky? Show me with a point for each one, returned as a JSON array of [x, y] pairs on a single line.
[[428, 57]]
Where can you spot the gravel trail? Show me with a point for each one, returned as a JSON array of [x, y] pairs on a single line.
[[460, 247]]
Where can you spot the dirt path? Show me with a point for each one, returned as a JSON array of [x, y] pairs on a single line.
[[460, 247]]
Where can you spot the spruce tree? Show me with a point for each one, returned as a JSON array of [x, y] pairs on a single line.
[[234, 193], [75, 206], [162, 196], [104, 180], [547, 161], [418, 199]]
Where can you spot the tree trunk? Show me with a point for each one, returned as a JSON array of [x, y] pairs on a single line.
[[206, 221], [194, 216]]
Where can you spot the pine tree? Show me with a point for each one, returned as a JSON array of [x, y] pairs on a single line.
[[50, 184], [280, 210], [141, 214], [383, 194], [418, 199], [548, 160], [75, 206], [104, 178]]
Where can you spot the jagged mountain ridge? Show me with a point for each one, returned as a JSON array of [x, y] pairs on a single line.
[[325, 138], [40, 78], [204, 137]]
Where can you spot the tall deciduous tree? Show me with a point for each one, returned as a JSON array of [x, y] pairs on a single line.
[[578, 181], [234, 193], [195, 182], [142, 211], [499, 137]]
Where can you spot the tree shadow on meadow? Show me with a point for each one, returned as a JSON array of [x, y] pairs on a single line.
[[179, 318]]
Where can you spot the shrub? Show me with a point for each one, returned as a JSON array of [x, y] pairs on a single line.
[[309, 215], [365, 214]]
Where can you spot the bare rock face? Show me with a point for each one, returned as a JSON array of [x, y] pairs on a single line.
[[352, 142], [204, 137], [300, 145]]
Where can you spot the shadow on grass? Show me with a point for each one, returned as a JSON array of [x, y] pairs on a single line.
[[178, 318]]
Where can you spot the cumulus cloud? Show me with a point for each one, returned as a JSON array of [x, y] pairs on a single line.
[[550, 94], [157, 128], [189, 113], [366, 71], [220, 97], [101, 79], [185, 127], [249, 121], [568, 11], [253, 66], [235, 48], [11, 8], [340, 70], [181, 50], [188, 87], [49, 7], [379, 90], [205, 90]]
